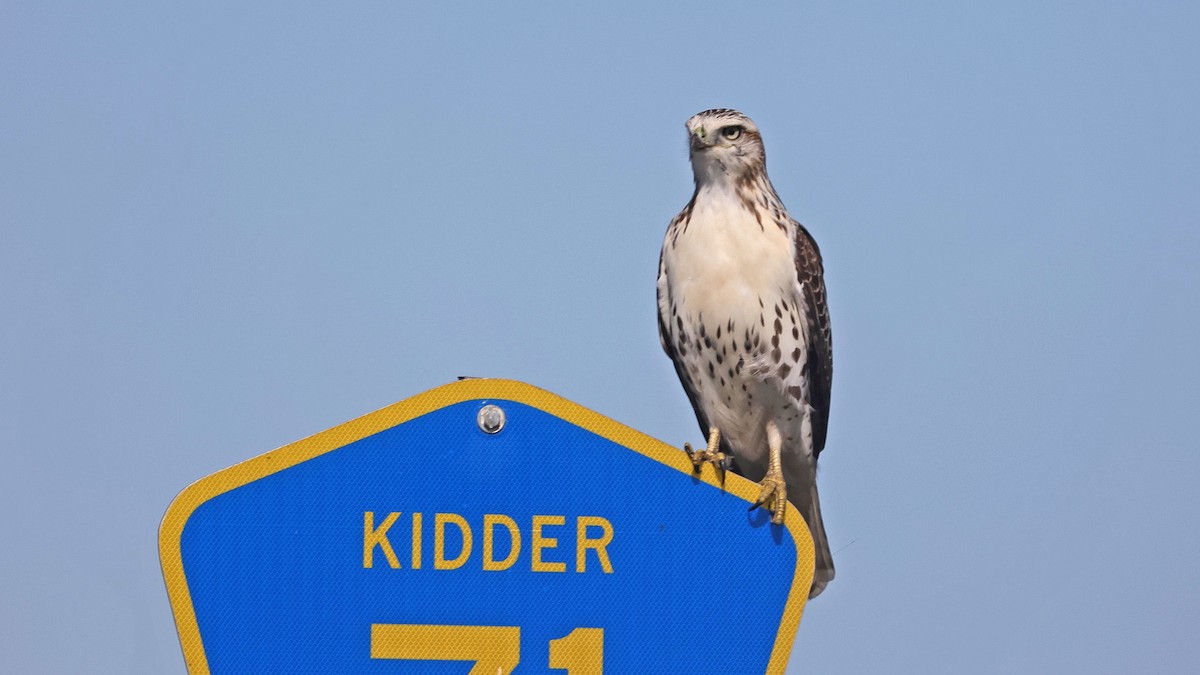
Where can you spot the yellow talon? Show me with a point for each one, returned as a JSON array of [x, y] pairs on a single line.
[[774, 489], [773, 497], [712, 454]]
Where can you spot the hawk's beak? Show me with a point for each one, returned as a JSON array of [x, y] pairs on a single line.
[[698, 142]]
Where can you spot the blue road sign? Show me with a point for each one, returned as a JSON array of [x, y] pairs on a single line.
[[481, 527]]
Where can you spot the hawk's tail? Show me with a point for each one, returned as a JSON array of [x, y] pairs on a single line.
[[823, 570]]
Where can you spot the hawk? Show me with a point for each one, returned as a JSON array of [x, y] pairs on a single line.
[[742, 314]]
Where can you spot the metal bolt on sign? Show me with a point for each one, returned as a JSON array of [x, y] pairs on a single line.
[[490, 418]]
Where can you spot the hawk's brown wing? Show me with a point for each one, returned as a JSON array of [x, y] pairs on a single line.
[[818, 370]]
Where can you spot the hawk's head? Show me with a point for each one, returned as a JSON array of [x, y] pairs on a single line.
[[724, 145]]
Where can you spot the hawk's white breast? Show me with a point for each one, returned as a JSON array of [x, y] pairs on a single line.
[[724, 260]]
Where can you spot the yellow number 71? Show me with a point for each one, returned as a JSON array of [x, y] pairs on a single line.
[[496, 650]]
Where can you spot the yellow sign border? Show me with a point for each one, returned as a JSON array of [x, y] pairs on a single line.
[[171, 531]]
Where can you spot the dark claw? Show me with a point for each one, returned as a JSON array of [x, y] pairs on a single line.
[[687, 448]]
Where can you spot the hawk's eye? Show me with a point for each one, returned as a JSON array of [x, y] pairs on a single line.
[[732, 133]]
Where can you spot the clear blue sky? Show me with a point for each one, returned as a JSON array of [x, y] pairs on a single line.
[[226, 226]]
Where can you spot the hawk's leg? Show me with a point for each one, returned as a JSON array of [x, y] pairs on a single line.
[[773, 495], [712, 454]]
